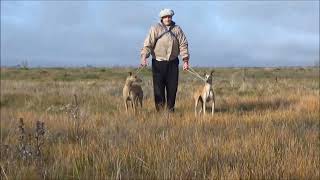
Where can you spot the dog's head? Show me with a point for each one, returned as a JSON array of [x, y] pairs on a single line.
[[208, 77], [133, 79]]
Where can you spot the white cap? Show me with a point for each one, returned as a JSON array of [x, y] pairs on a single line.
[[166, 12]]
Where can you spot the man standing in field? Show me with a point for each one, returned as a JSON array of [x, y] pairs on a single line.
[[165, 42]]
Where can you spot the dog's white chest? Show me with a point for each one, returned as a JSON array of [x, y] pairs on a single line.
[[210, 94]]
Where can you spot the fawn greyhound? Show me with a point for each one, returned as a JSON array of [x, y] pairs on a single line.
[[205, 94], [132, 92]]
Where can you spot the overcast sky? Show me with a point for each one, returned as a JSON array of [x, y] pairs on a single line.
[[110, 33]]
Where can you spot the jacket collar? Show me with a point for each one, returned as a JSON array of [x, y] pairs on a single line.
[[171, 25]]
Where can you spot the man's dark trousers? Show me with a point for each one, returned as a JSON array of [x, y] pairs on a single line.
[[165, 78]]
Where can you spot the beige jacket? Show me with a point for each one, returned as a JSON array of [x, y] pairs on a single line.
[[168, 47]]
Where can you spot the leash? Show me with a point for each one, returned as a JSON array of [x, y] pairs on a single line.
[[192, 71], [138, 70]]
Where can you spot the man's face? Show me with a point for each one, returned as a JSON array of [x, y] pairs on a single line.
[[167, 20]]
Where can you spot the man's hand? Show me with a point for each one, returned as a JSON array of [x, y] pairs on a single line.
[[185, 65], [144, 62]]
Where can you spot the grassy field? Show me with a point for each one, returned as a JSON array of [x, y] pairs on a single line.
[[61, 123]]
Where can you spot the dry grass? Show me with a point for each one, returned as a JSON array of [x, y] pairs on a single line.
[[262, 128]]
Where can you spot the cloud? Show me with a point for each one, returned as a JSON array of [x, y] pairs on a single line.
[[223, 33]]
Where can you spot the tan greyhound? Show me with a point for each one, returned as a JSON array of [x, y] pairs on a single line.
[[205, 94], [132, 91]]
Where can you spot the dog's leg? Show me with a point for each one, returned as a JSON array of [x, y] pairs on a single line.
[[126, 105], [137, 103], [141, 101], [204, 106], [201, 105], [134, 105], [212, 108], [195, 107]]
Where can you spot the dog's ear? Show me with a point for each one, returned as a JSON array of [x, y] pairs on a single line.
[[204, 74], [211, 73], [130, 73]]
